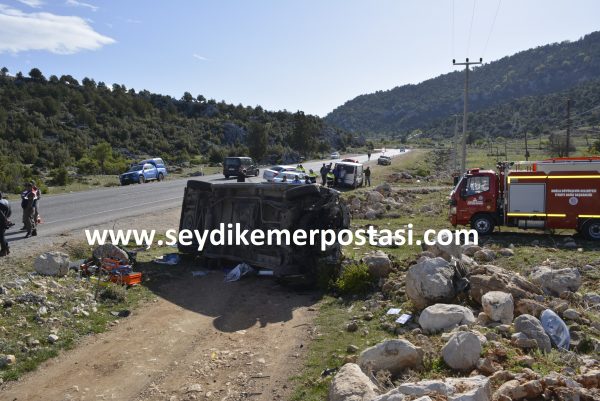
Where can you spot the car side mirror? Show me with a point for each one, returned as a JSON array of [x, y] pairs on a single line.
[[463, 193]]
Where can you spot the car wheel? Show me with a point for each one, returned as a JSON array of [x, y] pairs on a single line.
[[483, 224], [591, 230], [142, 179], [161, 177]]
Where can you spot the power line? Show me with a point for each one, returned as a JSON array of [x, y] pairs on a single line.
[[491, 28], [452, 35], [471, 27], [467, 63]]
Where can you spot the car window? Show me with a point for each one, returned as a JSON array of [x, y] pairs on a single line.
[[136, 167], [148, 167], [232, 162], [477, 185]]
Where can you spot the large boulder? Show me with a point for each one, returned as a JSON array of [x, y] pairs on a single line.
[[379, 264], [445, 316], [488, 278], [475, 388], [514, 390], [498, 306], [52, 264], [430, 281], [392, 355], [556, 281], [531, 327], [462, 351], [374, 197], [445, 251], [351, 384]]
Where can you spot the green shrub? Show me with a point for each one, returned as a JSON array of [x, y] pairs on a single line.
[[355, 279], [115, 293], [60, 177]]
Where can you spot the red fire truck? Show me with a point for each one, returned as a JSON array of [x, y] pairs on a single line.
[[561, 193]]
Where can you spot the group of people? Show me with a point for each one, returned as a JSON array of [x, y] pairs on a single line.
[[29, 203]]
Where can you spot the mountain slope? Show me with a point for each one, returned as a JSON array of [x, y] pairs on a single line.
[[536, 72]]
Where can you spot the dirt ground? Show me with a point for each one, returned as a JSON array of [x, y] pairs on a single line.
[[200, 339]]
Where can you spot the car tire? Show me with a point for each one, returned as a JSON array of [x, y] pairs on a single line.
[[483, 224], [226, 177], [142, 179], [161, 177], [591, 230]]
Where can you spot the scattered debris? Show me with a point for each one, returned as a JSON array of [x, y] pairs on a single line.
[[170, 259], [238, 272]]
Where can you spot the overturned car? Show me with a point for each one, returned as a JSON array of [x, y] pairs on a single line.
[[266, 207]]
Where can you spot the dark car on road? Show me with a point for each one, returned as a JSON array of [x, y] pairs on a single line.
[[234, 166]]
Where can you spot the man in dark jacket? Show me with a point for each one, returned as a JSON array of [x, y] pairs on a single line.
[[5, 223]]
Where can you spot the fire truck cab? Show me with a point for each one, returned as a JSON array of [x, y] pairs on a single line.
[[560, 193]]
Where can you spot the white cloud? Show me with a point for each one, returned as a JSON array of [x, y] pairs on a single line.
[[76, 3], [133, 21], [58, 34], [199, 57], [32, 3]]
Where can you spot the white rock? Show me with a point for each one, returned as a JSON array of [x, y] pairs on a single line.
[[52, 338], [556, 281], [52, 264], [445, 316], [462, 351], [499, 306], [379, 264], [374, 197], [429, 282], [532, 328], [351, 384], [392, 395], [392, 355], [475, 388]]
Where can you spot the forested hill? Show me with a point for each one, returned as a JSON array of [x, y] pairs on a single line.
[[537, 72], [55, 122]]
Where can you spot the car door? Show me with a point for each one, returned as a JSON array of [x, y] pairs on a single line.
[[149, 172]]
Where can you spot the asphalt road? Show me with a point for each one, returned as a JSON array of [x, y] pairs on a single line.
[[79, 210]]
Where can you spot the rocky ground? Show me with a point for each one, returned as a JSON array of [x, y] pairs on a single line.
[[478, 330]]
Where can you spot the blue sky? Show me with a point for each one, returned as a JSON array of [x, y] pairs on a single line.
[[281, 54]]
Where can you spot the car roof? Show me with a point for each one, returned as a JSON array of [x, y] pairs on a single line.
[[349, 163]]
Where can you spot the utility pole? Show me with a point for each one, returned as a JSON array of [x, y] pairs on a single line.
[[455, 140], [467, 63], [568, 126], [526, 148]]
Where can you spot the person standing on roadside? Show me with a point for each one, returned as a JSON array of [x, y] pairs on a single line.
[[38, 195], [5, 223], [369, 155], [23, 201], [324, 170], [368, 176], [29, 214]]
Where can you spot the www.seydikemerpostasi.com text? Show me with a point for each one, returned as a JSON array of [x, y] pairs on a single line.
[[234, 235]]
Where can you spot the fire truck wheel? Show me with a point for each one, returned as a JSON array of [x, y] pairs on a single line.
[[483, 224], [591, 230]]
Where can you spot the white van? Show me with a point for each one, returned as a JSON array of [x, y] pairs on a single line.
[[349, 174]]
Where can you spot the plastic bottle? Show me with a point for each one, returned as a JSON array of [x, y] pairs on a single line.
[[556, 329]]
